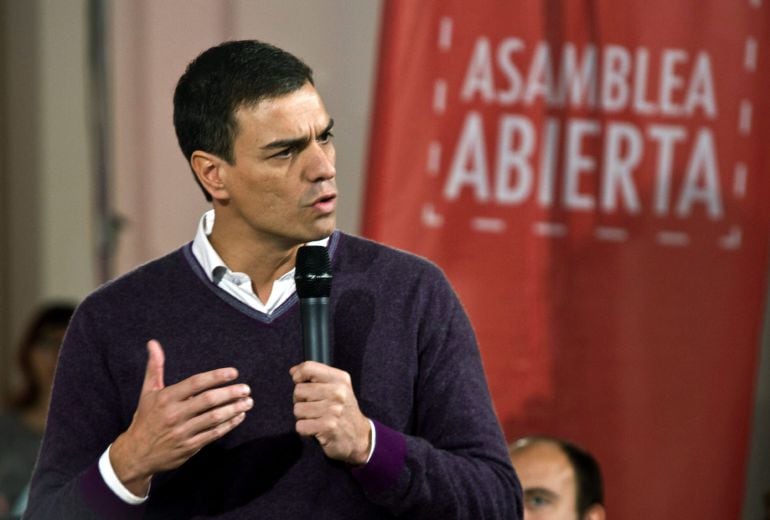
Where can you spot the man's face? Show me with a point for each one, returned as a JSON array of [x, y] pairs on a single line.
[[281, 187], [550, 487]]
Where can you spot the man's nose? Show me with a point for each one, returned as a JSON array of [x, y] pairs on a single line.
[[321, 161]]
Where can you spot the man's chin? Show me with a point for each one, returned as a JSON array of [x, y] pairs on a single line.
[[321, 236], [317, 234], [325, 228]]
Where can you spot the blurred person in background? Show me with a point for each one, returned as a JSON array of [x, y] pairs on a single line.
[[22, 424], [561, 481]]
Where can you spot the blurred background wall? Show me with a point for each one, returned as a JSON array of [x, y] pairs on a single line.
[[49, 230], [46, 185]]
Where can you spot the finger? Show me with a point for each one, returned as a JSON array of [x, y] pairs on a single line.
[[315, 372], [316, 410], [314, 427], [194, 444], [308, 371], [200, 403], [198, 383], [304, 365], [153, 375], [210, 435], [216, 416], [334, 392]]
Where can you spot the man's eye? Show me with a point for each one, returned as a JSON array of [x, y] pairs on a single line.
[[283, 154], [537, 501], [325, 137]]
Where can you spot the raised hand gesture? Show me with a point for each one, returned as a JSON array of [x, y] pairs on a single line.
[[171, 424]]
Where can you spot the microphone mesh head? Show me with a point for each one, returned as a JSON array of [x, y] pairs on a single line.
[[313, 274]]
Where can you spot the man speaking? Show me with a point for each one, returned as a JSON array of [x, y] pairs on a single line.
[[182, 390]]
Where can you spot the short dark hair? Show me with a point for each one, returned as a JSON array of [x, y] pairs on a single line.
[[588, 473], [220, 81], [590, 487]]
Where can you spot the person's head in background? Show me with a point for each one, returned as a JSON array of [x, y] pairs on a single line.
[[561, 481], [37, 356]]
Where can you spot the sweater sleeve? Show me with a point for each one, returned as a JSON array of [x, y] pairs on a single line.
[[84, 418], [453, 463]]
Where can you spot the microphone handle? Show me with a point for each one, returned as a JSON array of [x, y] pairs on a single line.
[[315, 329]]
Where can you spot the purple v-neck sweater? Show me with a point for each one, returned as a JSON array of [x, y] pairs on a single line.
[[396, 326]]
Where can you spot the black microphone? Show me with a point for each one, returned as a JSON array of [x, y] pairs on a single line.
[[313, 276]]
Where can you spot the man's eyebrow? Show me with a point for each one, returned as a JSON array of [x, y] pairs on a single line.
[[540, 491], [298, 143]]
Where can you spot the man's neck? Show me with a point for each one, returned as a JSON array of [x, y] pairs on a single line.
[[264, 261]]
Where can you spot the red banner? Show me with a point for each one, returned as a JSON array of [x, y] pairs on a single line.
[[593, 177]]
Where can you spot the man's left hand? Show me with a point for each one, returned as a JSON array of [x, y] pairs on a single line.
[[326, 408]]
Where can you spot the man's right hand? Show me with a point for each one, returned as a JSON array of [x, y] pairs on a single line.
[[171, 424]]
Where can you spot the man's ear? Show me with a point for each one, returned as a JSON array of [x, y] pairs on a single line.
[[210, 171], [595, 512]]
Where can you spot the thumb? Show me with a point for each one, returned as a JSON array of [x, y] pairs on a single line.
[[153, 376]]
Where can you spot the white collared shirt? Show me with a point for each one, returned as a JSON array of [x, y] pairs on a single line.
[[236, 284]]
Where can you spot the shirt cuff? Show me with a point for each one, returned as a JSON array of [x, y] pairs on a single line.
[[374, 441], [387, 459], [103, 501], [114, 483]]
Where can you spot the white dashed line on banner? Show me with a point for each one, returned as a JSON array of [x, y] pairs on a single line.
[[673, 238], [440, 88], [744, 117], [445, 34], [488, 225], [739, 180], [430, 218], [750, 54], [550, 229], [611, 234], [439, 96], [434, 158], [732, 240]]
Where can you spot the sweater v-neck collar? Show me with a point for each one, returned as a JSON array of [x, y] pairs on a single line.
[[240, 305]]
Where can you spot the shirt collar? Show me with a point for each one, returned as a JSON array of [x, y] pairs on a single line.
[[210, 260]]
